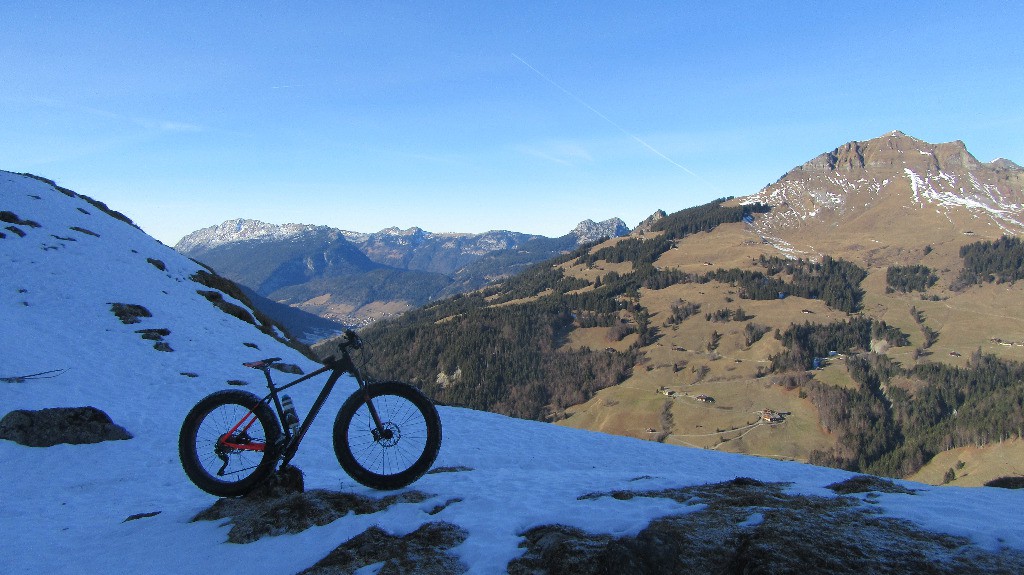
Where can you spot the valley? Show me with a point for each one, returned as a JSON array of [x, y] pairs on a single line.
[[355, 279], [708, 362]]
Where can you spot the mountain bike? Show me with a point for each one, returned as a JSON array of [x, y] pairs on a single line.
[[386, 434]]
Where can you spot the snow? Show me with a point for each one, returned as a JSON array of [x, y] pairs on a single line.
[[64, 507], [241, 230]]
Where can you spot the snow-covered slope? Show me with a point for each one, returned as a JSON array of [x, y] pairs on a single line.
[[63, 509]]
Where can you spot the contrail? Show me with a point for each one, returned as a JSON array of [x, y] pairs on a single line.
[[606, 118]]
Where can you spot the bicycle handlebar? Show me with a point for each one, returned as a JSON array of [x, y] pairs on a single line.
[[351, 340], [332, 350]]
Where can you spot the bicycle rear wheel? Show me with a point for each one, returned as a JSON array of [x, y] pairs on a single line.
[[229, 465], [398, 454]]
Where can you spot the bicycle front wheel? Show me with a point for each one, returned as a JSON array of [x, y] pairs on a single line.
[[228, 443], [401, 450]]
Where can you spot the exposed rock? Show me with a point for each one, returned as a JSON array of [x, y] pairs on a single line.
[[590, 231], [452, 469], [129, 313], [422, 552], [12, 218], [51, 426], [257, 516], [137, 516], [892, 180], [751, 527], [648, 224], [868, 483]]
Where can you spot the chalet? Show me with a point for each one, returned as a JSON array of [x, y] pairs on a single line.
[[705, 398]]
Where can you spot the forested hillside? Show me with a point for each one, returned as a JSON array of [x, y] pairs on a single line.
[[885, 429], [501, 349], [642, 312]]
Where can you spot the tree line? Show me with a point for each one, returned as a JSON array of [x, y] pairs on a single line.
[[834, 281], [909, 278], [999, 261], [805, 342]]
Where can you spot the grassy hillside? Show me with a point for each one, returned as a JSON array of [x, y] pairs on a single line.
[[697, 333]]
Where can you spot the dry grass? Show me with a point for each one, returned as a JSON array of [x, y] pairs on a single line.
[[680, 358], [975, 466]]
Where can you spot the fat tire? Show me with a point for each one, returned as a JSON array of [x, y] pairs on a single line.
[[192, 447], [396, 463]]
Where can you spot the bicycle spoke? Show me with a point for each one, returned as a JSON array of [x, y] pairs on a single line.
[[239, 462]]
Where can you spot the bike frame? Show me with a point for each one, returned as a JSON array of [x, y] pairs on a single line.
[[338, 367]]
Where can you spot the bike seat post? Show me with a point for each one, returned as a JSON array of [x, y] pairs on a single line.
[[266, 373]]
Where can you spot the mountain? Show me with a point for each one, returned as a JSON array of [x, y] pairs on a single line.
[[909, 192], [861, 312], [356, 278], [506, 495], [416, 249], [589, 231]]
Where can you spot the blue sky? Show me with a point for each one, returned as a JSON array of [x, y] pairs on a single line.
[[471, 116]]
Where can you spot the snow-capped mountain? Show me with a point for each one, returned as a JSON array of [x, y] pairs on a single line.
[[505, 495], [243, 230], [909, 191], [356, 278], [412, 248], [443, 253]]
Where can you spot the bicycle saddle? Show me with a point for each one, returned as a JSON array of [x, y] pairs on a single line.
[[263, 363]]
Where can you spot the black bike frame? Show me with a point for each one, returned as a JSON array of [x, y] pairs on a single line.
[[337, 369]]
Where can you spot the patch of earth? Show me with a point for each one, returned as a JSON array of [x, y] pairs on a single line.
[[747, 526], [252, 518], [453, 469], [868, 484], [425, 551], [53, 425]]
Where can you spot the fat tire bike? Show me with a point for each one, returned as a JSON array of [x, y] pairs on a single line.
[[386, 434]]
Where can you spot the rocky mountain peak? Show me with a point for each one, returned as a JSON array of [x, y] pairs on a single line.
[[893, 151], [893, 182], [590, 231], [240, 230], [648, 224], [1004, 166]]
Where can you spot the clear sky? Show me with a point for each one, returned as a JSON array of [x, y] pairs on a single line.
[[471, 116]]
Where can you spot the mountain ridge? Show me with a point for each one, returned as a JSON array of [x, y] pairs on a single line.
[[244, 229], [895, 174], [357, 278]]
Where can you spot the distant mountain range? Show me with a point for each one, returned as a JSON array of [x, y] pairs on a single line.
[[354, 278]]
